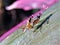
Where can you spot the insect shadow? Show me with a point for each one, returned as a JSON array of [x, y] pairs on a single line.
[[40, 25]]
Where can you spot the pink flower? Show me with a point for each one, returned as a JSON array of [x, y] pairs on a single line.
[[31, 4]]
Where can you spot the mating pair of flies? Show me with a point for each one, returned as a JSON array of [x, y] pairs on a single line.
[[33, 21]]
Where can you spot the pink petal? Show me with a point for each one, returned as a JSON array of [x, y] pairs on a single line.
[[27, 4]]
